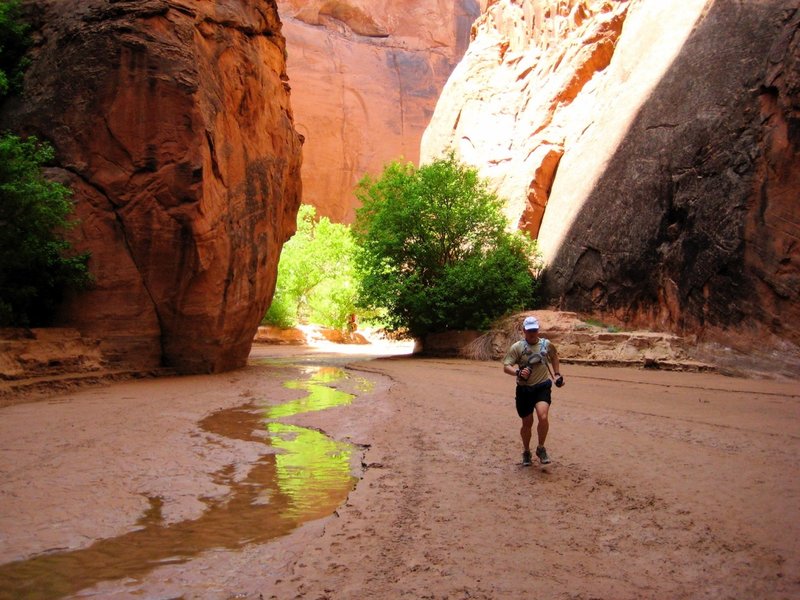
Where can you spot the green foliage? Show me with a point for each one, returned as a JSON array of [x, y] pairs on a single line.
[[316, 278], [35, 265], [14, 41], [598, 323], [434, 250]]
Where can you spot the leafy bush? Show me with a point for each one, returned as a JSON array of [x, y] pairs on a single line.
[[435, 252], [35, 265], [316, 278], [14, 42]]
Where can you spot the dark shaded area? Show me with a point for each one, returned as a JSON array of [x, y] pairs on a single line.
[[694, 225], [470, 10]]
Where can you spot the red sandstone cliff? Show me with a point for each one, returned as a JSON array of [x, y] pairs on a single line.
[[365, 77], [651, 145], [172, 124]]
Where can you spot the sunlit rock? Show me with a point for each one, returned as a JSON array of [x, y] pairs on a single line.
[[365, 77], [651, 145]]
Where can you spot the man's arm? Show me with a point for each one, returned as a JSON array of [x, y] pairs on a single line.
[[511, 370], [510, 364], [554, 360], [559, 380]]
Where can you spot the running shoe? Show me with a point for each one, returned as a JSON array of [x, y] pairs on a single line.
[[541, 453], [526, 458]]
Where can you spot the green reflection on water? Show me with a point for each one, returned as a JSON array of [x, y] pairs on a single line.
[[319, 396], [307, 479], [310, 470]]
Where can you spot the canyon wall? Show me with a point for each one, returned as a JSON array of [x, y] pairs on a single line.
[[365, 77], [172, 124], [651, 146]]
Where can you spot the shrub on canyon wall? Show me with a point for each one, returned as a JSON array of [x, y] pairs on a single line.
[[36, 266], [316, 277], [434, 250], [14, 41]]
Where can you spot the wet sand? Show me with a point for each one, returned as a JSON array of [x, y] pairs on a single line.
[[663, 485]]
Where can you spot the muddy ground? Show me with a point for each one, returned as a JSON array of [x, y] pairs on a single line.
[[663, 485]]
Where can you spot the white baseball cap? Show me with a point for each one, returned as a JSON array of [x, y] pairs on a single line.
[[530, 323]]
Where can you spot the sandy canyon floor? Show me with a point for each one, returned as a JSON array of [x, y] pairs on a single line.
[[663, 485]]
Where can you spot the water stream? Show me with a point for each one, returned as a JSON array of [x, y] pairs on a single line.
[[307, 478]]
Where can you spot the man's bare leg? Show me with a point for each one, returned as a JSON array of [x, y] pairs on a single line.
[[526, 430], [542, 411], [525, 433]]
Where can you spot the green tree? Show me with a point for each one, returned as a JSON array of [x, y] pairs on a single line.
[[14, 41], [316, 276], [434, 250], [36, 267]]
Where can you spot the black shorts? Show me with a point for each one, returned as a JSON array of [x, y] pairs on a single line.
[[529, 395]]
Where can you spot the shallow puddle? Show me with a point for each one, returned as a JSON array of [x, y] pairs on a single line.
[[320, 396], [307, 478]]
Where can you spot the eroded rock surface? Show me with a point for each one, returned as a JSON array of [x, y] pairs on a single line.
[[172, 124], [653, 148], [365, 77]]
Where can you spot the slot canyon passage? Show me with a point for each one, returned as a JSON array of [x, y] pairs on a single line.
[[652, 149], [663, 485]]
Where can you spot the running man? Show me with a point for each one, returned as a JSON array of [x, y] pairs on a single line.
[[532, 361]]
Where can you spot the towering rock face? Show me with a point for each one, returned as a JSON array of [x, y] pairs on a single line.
[[365, 77], [171, 123], [651, 145]]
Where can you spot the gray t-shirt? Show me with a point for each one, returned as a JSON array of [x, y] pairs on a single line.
[[523, 355]]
